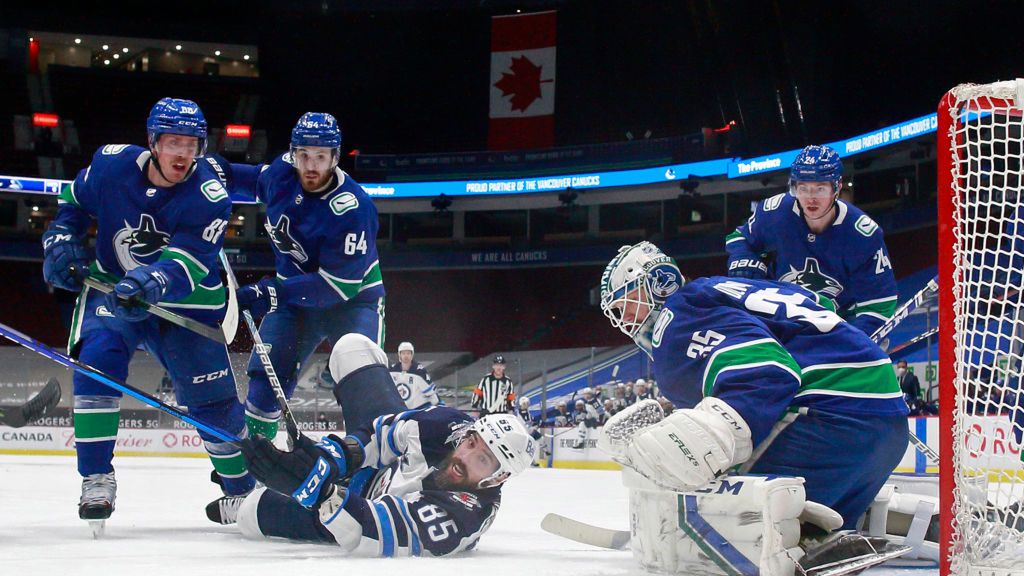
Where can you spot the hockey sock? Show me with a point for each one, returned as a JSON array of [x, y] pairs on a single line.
[[230, 465], [261, 422], [226, 458], [96, 422]]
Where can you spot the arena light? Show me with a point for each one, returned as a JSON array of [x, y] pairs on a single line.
[[238, 130], [45, 120], [78, 40]]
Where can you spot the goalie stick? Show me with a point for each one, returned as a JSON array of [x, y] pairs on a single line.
[[83, 368], [34, 408], [927, 294], [263, 355]]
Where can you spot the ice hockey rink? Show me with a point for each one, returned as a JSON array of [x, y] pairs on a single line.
[[159, 527]]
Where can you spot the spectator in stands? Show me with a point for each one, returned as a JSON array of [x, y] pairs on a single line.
[[619, 397], [609, 410], [592, 400], [910, 386], [563, 417], [643, 392], [586, 414], [630, 396]]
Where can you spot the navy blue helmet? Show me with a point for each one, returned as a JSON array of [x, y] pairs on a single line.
[[177, 116], [817, 164], [316, 129]]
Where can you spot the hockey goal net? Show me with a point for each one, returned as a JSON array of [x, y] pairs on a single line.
[[981, 264]]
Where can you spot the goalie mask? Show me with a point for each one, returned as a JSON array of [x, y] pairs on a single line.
[[510, 443], [634, 287]]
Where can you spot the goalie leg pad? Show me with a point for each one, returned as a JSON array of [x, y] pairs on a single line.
[[735, 525], [906, 511]]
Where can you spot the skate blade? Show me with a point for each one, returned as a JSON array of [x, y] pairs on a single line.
[[854, 565], [98, 528]]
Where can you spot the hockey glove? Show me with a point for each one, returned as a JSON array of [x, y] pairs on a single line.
[[62, 250], [260, 298], [307, 472], [748, 268], [145, 284]]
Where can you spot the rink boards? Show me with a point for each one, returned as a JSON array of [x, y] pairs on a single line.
[[990, 446]]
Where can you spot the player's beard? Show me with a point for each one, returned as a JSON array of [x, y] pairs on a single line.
[[314, 182], [451, 475]]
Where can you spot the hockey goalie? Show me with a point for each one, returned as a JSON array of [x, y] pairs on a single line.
[[787, 423]]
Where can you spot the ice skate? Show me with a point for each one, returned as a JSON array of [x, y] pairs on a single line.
[[224, 510], [97, 503]]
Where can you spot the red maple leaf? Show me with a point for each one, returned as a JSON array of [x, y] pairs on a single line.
[[523, 83]]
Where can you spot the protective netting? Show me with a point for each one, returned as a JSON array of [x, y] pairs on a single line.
[[986, 144]]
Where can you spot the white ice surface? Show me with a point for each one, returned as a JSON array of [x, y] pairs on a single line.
[[159, 527]]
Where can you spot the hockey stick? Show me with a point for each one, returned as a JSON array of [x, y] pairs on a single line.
[[261, 352], [163, 313], [83, 368], [585, 533], [915, 343], [926, 295], [34, 408]]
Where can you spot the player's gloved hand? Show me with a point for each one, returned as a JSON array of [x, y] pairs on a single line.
[[308, 471], [142, 285], [260, 298], [62, 250], [748, 268]]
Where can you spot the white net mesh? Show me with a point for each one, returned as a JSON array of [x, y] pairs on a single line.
[[988, 257]]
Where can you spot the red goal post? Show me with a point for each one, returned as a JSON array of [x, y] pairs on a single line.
[[981, 327]]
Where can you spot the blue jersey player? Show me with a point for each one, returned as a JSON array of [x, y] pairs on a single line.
[[160, 214], [819, 242], [401, 483], [328, 283], [764, 375]]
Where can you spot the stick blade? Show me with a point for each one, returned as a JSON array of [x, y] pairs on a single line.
[[585, 533]]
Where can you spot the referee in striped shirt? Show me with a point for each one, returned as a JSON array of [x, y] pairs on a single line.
[[494, 392]]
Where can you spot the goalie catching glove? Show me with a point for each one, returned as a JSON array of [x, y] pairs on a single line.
[[687, 449]]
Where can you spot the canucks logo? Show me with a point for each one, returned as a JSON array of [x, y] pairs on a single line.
[[281, 235], [812, 278], [664, 280], [133, 245]]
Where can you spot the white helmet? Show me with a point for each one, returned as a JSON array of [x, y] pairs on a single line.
[[642, 275], [406, 346], [587, 390], [524, 402], [510, 443]]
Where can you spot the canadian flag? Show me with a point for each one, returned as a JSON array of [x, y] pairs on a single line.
[[522, 113]]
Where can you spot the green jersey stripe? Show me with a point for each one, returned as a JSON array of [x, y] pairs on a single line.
[[765, 351], [864, 380]]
